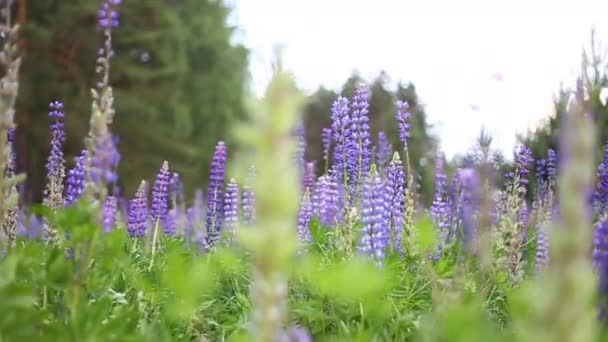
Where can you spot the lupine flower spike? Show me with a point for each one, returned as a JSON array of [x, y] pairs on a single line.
[[160, 205], [249, 199], [231, 210], [215, 193], [137, 224], [375, 218], [359, 155]]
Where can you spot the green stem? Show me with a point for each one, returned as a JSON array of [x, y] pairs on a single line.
[[44, 297], [155, 236]]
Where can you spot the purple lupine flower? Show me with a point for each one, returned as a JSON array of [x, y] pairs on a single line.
[[190, 223], [375, 218], [28, 226], [542, 248], [541, 169], [160, 195], [326, 140], [360, 150], [454, 207], [76, 179], [105, 159], [56, 163], [524, 162], [108, 15], [304, 217], [601, 191], [138, 213], [541, 178], [12, 163], [394, 197], [300, 137], [469, 181], [215, 199], [248, 201], [403, 116], [326, 201], [439, 210], [11, 135], [231, 210], [551, 165], [341, 128], [57, 137], [176, 188], [109, 213], [600, 261], [170, 223], [309, 177], [202, 241], [382, 151]]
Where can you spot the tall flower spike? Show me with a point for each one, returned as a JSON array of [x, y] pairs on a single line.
[[215, 198], [160, 195], [326, 201], [105, 160], [360, 152], [439, 210], [524, 162], [231, 210], [189, 228], [248, 201], [137, 224], [56, 163], [326, 140], [176, 189], [403, 117], [600, 262], [542, 248], [12, 161], [304, 216], [395, 199], [551, 165], [300, 155], [469, 181], [76, 179], [309, 177], [109, 213], [375, 217], [383, 150], [341, 130], [601, 191]]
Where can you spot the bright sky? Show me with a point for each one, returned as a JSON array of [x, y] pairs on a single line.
[[475, 63]]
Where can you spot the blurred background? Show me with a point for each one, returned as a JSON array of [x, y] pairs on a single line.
[[184, 70]]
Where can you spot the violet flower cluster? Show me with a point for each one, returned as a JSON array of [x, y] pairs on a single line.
[[248, 201], [326, 201], [215, 195], [375, 217], [359, 155], [160, 195], [108, 15], [76, 179], [403, 121], [137, 224], [394, 198], [342, 138], [231, 210]]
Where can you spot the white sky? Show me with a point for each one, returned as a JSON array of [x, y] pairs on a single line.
[[449, 49]]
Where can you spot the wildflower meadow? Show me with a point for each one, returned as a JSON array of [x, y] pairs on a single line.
[[275, 246]]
